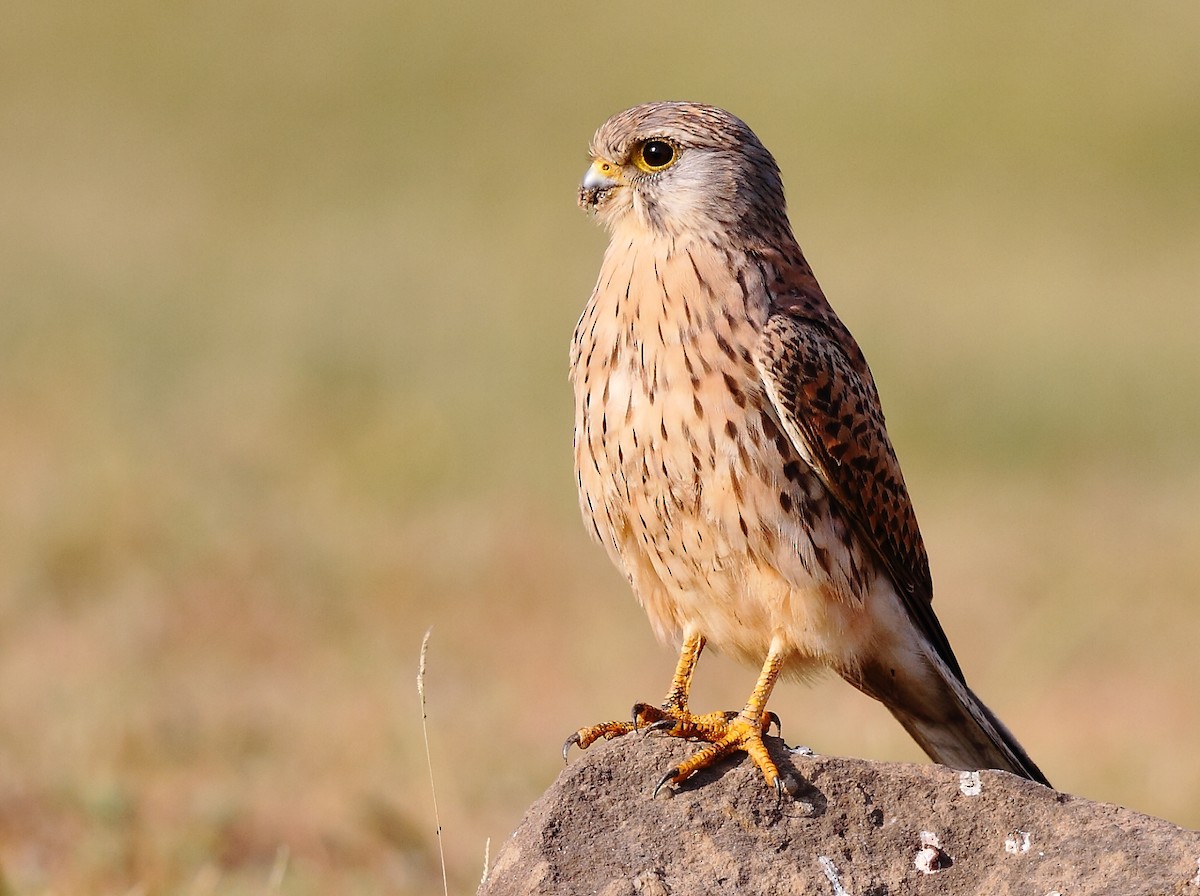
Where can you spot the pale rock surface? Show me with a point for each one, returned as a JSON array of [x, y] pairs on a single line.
[[854, 828]]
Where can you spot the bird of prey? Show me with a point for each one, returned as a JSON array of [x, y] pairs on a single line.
[[731, 454]]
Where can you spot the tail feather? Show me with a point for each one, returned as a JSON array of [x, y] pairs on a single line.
[[950, 723], [975, 739]]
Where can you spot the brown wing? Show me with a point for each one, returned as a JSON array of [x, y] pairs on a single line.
[[826, 398]]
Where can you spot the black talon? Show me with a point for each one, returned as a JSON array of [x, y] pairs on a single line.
[[636, 713], [666, 779], [571, 741], [660, 725], [773, 719], [779, 788]]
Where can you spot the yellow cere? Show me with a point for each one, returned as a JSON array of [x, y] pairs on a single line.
[[606, 169]]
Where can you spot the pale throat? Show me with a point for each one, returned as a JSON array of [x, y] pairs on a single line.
[[678, 218], [673, 286]]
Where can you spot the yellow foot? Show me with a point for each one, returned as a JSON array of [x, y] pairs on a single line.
[[724, 732], [730, 733]]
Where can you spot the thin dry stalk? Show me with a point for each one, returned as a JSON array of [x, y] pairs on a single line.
[[487, 860], [279, 869], [437, 818]]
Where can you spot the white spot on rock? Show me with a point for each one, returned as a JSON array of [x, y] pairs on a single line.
[[931, 858], [969, 784], [1017, 844]]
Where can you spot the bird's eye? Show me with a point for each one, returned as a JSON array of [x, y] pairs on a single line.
[[654, 155]]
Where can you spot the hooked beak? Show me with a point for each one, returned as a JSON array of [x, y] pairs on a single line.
[[598, 182]]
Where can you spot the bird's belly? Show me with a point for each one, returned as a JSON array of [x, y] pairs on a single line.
[[718, 525]]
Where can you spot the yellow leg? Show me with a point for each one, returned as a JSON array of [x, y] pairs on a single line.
[[674, 708], [681, 684], [725, 732], [743, 731]]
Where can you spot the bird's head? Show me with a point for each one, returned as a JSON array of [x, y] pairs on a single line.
[[678, 169]]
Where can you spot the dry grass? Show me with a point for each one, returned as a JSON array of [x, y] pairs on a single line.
[[282, 356]]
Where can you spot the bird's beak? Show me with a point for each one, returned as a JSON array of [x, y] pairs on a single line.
[[602, 175], [599, 180]]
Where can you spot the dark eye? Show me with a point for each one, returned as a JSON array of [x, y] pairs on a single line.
[[656, 155]]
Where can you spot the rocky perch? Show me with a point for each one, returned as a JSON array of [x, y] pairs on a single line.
[[854, 828]]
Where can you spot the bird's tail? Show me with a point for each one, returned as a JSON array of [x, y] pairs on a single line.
[[951, 724]]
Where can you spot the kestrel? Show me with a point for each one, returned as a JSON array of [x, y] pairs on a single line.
[[731, 453]]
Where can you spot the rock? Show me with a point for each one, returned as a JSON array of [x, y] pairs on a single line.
[[854, 828]]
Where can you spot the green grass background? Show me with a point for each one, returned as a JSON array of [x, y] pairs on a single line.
[[287, 292]]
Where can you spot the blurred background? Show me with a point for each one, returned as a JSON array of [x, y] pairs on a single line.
[[287, 294]]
